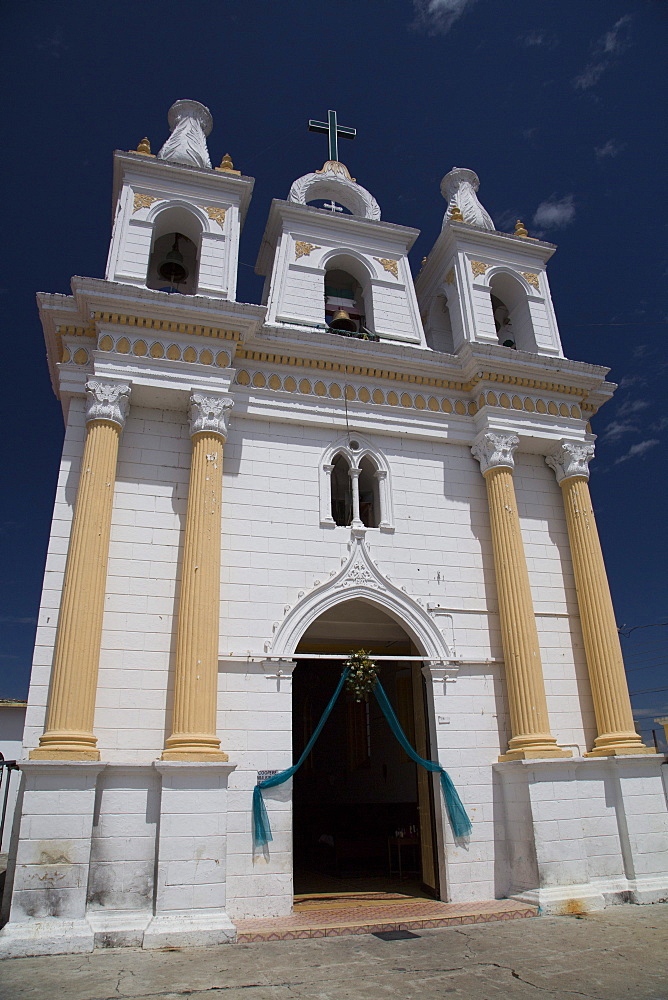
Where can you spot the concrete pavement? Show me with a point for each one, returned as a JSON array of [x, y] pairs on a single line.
[[619, 954]]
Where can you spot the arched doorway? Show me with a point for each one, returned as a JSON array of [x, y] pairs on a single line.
[[363, 812]]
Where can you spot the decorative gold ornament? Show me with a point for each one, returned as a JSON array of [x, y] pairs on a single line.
[[531, 278], [143, 201], [144, 147], [520, 230], [336, 167], [478, 268], [389, 265], [227, 167], [450, 277], [304, 249], [217, 214], [456, 214]]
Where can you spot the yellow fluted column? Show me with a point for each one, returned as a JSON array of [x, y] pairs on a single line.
[[68, 734], [612, 704], [196, 672], [524, 673]]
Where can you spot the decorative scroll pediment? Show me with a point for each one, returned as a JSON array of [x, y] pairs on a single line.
[[359, 577], [334, 182]]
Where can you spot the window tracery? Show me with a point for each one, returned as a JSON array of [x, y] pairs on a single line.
[[354, 487]]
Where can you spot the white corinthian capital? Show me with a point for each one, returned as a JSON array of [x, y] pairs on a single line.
[[210, 414], [190, 123], [494, 448], [107, 401], [571, 459]]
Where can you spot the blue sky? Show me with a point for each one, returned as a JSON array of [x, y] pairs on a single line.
[[555, 105]]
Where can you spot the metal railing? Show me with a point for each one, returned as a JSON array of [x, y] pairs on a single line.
[[6, 768]]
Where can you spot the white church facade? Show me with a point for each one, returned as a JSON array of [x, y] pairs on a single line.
[[250, 492]]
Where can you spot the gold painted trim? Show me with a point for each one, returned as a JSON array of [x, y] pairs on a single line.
[[217, 214], [389, 265], [143, 201], [382, 373], [450, 277], [303, 249], [531, 278], [168, 326], [478, 268]]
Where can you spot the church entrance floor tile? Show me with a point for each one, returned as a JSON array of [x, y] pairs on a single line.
[[332, 915]]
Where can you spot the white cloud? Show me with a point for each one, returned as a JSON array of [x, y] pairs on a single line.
[[438, 16], [632, 406], [609, 149], [636, 450], [617, 429], [651, 713], [617, 39], [555, 213], [610, 44]]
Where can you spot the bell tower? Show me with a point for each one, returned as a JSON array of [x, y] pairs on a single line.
[[482, 286], [333, 265], [177, 221]]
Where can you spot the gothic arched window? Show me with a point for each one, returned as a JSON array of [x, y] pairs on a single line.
[[369, 499], [354, 487], [341, 491]]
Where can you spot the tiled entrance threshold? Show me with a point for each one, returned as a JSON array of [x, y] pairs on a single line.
[[331, 915]]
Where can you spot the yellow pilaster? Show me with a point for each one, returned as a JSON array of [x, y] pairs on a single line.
[[68, 734], [196, 672], [529, 721], [612, 704]]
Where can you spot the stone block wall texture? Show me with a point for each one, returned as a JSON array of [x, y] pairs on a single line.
[[274, 547]]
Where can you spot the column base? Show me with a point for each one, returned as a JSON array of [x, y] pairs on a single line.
[[590, 897], [621, 751], [53, 753], [118, 930], [66, 744], [49, 936], [189, 930], [557, 752], [197, 756]]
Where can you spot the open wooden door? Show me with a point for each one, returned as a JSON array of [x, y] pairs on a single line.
[[425, 783]]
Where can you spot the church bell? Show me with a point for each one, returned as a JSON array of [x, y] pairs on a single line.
[[342, 321], [172, 268]]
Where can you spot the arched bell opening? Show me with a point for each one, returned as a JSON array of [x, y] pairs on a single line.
[[348, 308], [439, 326], [174, 261], [512, 316], [363, 812]]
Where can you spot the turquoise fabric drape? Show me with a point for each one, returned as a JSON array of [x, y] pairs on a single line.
[[261, 828], [461, 824], [459, 821]]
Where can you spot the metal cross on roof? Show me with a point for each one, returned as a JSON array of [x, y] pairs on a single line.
[[333, 130]]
